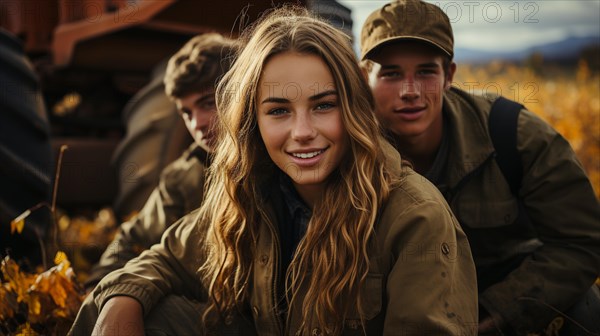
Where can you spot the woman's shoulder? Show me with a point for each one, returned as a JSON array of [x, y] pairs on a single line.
[[413, 189], [415, 203]]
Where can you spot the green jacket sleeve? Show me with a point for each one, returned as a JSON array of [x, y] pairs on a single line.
[[431, 287], [179, 192], [167, 268], [565, 213]]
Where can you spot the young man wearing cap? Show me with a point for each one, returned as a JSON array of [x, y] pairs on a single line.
[[190, 81], [537, 246]]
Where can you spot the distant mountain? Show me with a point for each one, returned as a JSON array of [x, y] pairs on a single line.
[[567, 49]]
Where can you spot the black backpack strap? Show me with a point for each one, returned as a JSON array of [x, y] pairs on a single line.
[[502, 125]]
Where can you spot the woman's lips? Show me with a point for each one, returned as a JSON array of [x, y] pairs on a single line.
[[307, 158]]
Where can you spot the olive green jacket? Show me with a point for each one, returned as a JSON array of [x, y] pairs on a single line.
[[421, 279], [533, 251], [179, 192]]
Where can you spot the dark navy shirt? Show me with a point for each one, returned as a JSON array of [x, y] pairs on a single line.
[[293, 227], [436, 173]]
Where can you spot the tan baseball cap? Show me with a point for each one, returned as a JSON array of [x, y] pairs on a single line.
[[407, 20]]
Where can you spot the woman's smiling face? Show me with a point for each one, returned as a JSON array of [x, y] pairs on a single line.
[[299, 118]]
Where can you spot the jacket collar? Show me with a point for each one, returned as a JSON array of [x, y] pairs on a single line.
[[195, 151], [470, 144]]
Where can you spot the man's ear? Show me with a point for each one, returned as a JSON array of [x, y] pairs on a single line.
[[450, 75], [369, 70], [365, 69]]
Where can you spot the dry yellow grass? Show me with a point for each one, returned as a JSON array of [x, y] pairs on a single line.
[[568, 99]]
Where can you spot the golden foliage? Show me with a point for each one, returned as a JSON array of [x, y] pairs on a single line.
[[86, 238], [568, 100], [46, 302], [38, 304], [17, 225]]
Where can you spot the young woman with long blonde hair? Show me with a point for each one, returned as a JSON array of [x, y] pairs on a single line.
[[311, 223]]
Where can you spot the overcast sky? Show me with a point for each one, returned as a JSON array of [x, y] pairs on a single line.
[[504, 25]]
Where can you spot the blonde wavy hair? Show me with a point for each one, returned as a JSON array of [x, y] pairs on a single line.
[[332, 258]]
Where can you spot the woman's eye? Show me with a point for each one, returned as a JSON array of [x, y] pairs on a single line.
[[277, 111], [325, 106]]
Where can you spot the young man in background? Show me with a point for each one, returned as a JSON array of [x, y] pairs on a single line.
[[190, 80], [537, 246]]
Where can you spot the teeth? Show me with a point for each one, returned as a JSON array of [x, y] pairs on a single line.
[[307, 155]]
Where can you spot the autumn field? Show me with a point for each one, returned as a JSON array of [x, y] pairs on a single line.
[[567, 97]]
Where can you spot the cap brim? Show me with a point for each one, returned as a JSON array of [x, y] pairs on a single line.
[[403, 38]]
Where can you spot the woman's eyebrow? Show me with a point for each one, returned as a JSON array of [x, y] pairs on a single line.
[[323, 94], [275, 100], [311, 98]]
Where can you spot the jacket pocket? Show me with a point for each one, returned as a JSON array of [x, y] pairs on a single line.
[[372, 303]]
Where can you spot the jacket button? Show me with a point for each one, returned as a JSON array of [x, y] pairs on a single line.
[[352, 324], [316, 332], [264, 259], [445, 248]]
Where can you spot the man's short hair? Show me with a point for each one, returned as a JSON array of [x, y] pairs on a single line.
[[199, 64]]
